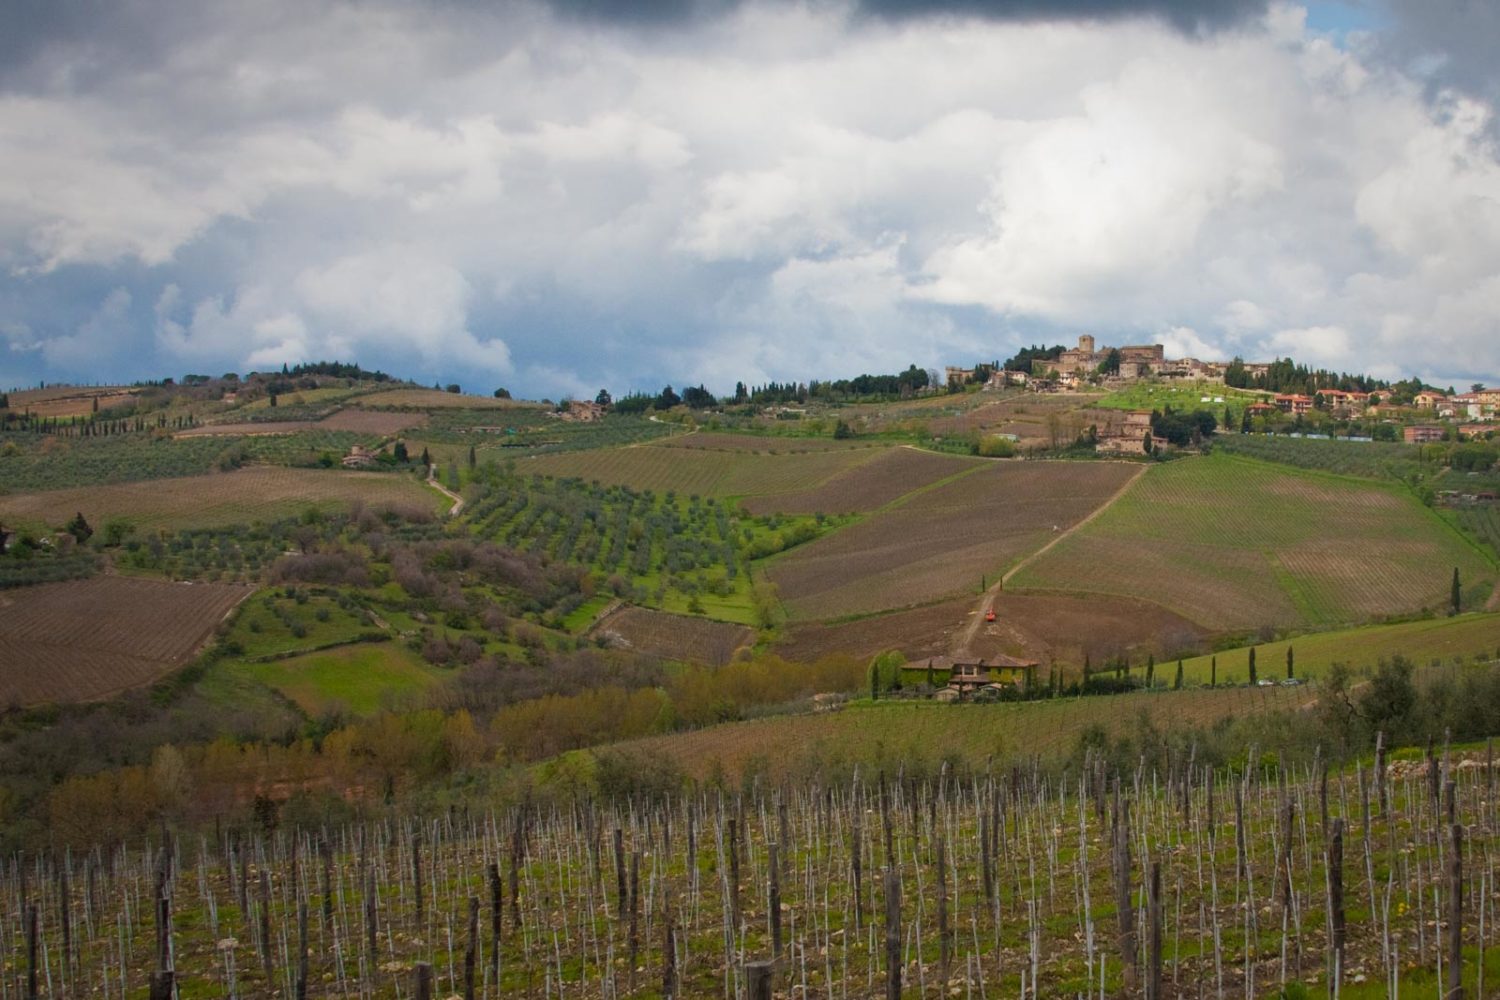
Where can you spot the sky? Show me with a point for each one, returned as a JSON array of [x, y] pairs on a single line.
[[561, 196]]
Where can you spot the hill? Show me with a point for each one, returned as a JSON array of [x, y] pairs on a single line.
[[1233, 543]]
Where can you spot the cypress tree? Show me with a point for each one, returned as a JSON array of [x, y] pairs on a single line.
[[473, 459], [1151, 670], [1289, 674], [1177, 685], [1458, 594], [1213, 671], [1253, 678]]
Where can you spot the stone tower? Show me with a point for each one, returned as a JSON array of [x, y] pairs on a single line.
[[1086, 343]]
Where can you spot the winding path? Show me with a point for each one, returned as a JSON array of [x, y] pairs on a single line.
[[965, 638], [458, 501]]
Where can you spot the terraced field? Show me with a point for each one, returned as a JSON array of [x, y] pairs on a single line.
[[944, 541], [1232, 543], [87, 639], [695, 470], [257, 493], [377, 422], [764, 444]]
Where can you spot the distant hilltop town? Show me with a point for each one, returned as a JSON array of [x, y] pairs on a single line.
[[1276, 397]]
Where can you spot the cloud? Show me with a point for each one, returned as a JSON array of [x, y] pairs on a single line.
[[568, 196]]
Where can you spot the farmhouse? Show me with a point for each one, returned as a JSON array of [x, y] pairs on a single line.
[[359, 457], [967, 676], [1428, 400]]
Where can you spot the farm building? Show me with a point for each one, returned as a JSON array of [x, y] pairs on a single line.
[[1294, 403], [967, 676]]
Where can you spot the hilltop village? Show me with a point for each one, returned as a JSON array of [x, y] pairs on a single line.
[[1275, 397]]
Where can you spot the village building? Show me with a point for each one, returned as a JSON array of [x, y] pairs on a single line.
[[1426, 400], [1423, 433], [957, 377], [1294, 403]]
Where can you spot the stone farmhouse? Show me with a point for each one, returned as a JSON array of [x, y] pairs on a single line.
[[963, 677]]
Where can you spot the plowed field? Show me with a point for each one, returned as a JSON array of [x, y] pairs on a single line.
[[87, 639], [942, 542], [674, 637], [1046, 627]]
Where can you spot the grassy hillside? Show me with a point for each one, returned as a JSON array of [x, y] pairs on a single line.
[[1422, 642], [1233, 543], [798, 746]]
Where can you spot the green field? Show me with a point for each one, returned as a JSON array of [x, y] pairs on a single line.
[[1180, 396], [1422, 642], [921, 733], [1367, 459], [1232, 543], [361, 679]]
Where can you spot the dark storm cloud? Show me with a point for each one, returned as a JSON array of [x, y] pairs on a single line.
[[1188, 15], [1461, 35]]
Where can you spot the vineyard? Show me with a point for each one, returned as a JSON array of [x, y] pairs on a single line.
[[679, 553], [1169, 878], [944, 540], [1235, 544], [242, 497], [868, 486], [696, 470], [436, 399], [1367, 459], [88, 639]]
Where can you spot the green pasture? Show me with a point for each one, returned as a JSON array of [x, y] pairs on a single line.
[[1462, 637], [362, 679]]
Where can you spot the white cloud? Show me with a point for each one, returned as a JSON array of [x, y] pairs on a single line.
[[783, 192]]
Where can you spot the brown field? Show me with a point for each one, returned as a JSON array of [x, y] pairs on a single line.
[[799, 746], [699, 470], [759, 443], [942, 542], [868, 486], [436, 399], [375, 422], [675, 637], [68, 400], [1049, 628], [88, 639], [257, 493]]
